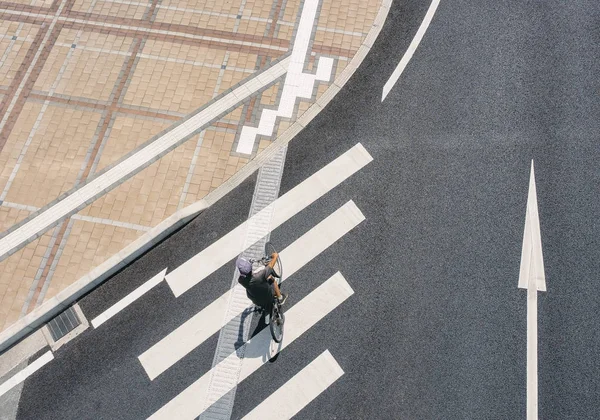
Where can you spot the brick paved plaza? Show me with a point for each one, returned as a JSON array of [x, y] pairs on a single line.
[[84, 83]]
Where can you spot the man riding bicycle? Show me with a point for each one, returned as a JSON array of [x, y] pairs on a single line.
[[261, 287]]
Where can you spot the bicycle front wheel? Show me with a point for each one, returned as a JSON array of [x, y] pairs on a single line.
[[278, 268]]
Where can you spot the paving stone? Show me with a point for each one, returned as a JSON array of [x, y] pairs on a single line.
[[97, 96]]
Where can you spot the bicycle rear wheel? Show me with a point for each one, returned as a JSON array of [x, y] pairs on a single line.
[[276, 323], [278, 268]]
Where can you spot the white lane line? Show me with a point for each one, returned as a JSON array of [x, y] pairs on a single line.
[[168, 351], [189, 404], [532, 278], [288, 205], [135, 162], [532, 354], [411, 49], [297, 84], [26, 373], [128, 300], [299, 391]]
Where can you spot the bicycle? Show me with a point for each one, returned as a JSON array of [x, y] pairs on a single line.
[[277, 318]]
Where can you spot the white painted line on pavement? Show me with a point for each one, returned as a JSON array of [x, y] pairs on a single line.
[[26, 373], [189, 404], [297, 84], [128, 300], [532, 354], [532, 259], [299, 391], [168, 351], [288, 205], [411, 49], [532, 277]]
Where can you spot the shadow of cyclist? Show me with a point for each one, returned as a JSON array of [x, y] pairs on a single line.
[[267, 349]]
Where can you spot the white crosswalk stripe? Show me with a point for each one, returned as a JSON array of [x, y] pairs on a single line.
[[229, 246], [207, 322], [26, 372], [288, 205], [128, 300], [299, 391], [300, 318], [319, 374]]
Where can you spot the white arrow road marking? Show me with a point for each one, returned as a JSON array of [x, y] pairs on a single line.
[[26, 373], [532, 260], [411, 49], [189, 404], [210, 320], [532, 278], [288, 205], [299, 391], [128, 300]]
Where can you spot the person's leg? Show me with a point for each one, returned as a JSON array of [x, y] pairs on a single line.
[[258, 307], [277, 293], [265, 308], [276, 290]]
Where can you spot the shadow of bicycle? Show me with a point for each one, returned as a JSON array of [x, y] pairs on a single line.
[[260, 343]]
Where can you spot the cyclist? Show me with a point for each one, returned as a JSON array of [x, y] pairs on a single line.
[[261, 287]]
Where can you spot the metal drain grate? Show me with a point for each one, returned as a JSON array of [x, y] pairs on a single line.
[[63, 324]]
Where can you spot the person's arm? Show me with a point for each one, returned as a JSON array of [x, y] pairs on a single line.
[[270, 273], [272, 263], [276, 290]]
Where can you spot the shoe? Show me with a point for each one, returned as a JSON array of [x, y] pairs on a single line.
[[282, 298]]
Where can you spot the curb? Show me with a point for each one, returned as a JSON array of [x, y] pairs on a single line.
[[131, 252]]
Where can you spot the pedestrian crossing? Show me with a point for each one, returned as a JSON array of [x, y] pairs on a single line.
[[189, 404], [26, 372], [232, 244], [284, 208], [299, 391], [208, 321], [319, 374]]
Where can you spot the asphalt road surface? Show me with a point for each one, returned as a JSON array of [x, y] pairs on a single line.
[[436, 326]]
